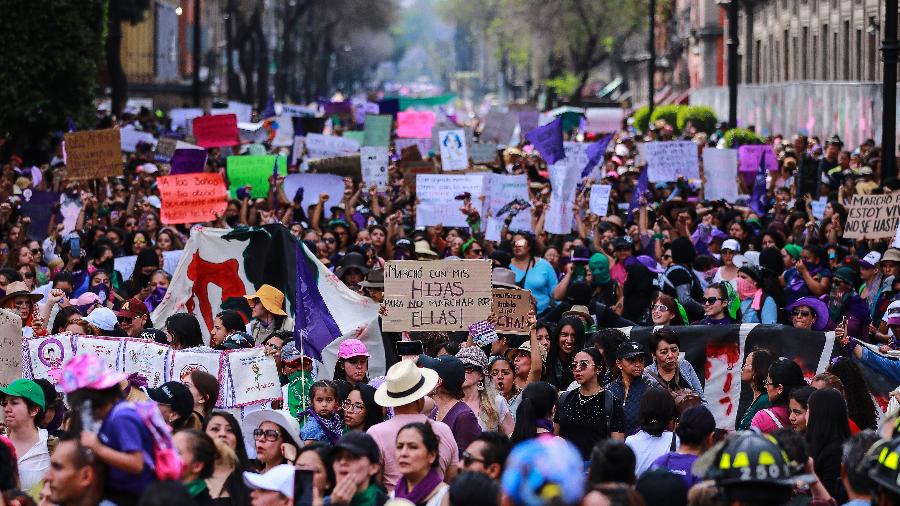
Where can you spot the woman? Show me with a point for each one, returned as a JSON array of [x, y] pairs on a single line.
[[754, 371], [20, 301], [270, 431], [844, 302], [491, 407], [657, 420], [159, 284], [448, 404], [784, 376], [667, 368], [183, 331], [416, 453], [28, 273], [353, 362], [808, 277], [532, 273], [665, 310], [316, 458], [799, 407], [544, 330], [360, 409], [503, 378], [568, 339], [65, 316], [757, 306], [267, 313], [860, 405], [225, 325], [167, 240], [826, 432], [695, 435], [139, 242], [809, 313], [23, 405], [225, 487], [223, 425], [586, 415], [534, 416], [716, 303], [138, 285], [356, 462], [204, 389], [728, 272]]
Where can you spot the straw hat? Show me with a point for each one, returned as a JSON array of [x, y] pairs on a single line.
[[271, 298], [405, 383], [16, 289]]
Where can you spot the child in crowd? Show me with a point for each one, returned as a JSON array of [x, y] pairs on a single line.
[[323, 421]]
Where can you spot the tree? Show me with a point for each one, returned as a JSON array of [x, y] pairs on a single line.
[[49, 66], [120, 11]]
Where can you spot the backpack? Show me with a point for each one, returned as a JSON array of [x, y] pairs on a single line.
[[167, 463], [607, 406]]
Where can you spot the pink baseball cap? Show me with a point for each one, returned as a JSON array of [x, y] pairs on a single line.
[[86, 371], [352, 348]]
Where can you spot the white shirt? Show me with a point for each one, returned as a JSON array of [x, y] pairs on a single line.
[[648, 448], [34, 462]]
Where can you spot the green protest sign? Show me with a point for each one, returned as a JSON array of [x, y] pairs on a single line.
[[253, 170], [357, 135], [377, 130]]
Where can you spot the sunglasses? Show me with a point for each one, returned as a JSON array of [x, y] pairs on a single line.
[[268, 435], [468, 458], [580, 364], [666, 257], [711, 300], [328, 240], [35, 251], [125, 321], [476, 251], [804, 314], [660, 307]]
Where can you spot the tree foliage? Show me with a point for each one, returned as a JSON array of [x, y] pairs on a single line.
[[737, 137], [703, 118]]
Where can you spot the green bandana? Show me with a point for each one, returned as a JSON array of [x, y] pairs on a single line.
[[195, 488], [298, 392], [368, 497]]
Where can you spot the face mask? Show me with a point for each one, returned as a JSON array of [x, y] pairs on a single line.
[[809, 265], [745, 289]]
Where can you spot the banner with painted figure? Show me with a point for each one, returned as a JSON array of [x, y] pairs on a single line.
[[218, 264], [717, 354]]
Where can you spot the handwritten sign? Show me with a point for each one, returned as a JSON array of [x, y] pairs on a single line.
[[165, 148], [499, 127], [483, 153], [415, 124], [378, 130], [93, 154], [191, 198], [720, 174], [182, 117], [107, 348], [511, 308], [564, 182], [130, 138], [600, 199], [216, 131], [666, 161], [253, 377], [11, 347], [443, 295], [454, 155], [313, 185], [374, 163], [603, 119], [147, 359], [750, 155], [254, 171], [873, 216], [436, 193], [47, 353], [501, 191], [324, 146]]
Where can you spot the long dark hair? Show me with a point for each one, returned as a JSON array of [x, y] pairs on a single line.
[[232, 320], [656, 412], [553, 356], [860, 405], [185, 330], [374, 415], [607, 341], [240, 450], [787, 373], [324, 452], [429, 438], [826, 421], [762, 359], [538, 400]]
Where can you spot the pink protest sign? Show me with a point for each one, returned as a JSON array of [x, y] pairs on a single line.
[[216, 131], [749, 157], [415, 124]]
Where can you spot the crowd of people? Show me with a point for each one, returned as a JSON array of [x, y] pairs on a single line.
[[573, 413]]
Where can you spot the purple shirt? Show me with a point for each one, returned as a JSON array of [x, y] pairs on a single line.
[[463, 422], [680, 464], [124, 431]]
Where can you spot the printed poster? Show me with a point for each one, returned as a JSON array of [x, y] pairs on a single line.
[[47, 353], [146, 358], [454, 155], [254, 376]]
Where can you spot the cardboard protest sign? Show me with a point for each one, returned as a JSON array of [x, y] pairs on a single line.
[[873, 216], [148, 359], [502, 191], [564, 182], [10, 346], [720, 174], [378, 130], [253, 377], [511, 308], [498, 127], [129, 139], [436, 194], [38, 205], [165, 148], [411, 171], [313, 185], [216, 131], [374, 163], [444, 295], [483, 153], [749, 156], [667, 160], [344, 166], [254, 171], [46, 353], [423, 146], [325, 146], [182, 117], [93, 154], [192, 198], [415, 124], [454, 155], [599, 202], [603, 119]]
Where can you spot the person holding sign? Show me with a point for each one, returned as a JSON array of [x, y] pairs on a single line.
[[533, 273]]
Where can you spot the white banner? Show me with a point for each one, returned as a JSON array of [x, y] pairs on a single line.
[[720, 171], [668, 160], [437, 203], [253, 376], [374, 163], [148, 359], [327, 146]]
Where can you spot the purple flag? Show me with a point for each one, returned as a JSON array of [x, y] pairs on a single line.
[[528, 120], [643, 181], [187, 161], [269, 111], [548, 141], [759, 199], [595, 153], [313, 323], [344, 107]]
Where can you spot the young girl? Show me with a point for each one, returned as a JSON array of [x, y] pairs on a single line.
[[323, 422]]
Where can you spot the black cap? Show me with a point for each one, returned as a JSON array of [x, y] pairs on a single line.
[[154, 335], [622, 242], [358, 443], [630, 349], [450, 369], [581, 254], [403, 243], [699, 419], [174, 394]]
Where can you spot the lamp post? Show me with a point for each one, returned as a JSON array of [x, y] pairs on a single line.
[[651, 62], [889, 50], [731, 44]]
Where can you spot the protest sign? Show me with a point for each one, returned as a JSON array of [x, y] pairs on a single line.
[[253, 377], [216, 131], [374, 163], [308, 125], [11, 347], [313, 185], [528, 120], [252, 133], [502, 191], [187, 161], [446, 295], [720, 174], [873, 216], [422, 145], [69, 207], [600, 199], [125, 265], [564, 182], [498, 127], [576, 155], [46, 353], [749, 156], [147, 359], [547, 139], [356, 135], [511, 308], [344, 166], [297, 149], [284, 131], [182, 117], [437, 203], [411, 171], [297, 110], [192, 198], [38, 205], [415, 124], [483, 153], [325, 146], [603, 119], [129, 139], [668, 160], [165, 148], [360, 111], [93, 154], [107, 348], [447, 125], [254, 171], [378, 130], [186, 362], [454, 155], [243, 111]]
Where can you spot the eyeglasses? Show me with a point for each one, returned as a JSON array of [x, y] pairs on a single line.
[[667, 257], [35, 251], [269, 435], [768, 383], [468, 458], [660, 307], [353, 406], [28, 275], [580, 364], [797, 312], [711, 300], [273, 346], [328, 240]]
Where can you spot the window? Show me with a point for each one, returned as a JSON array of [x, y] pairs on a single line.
[[824, 74], [804, 53], [859, 55], [847, 53], [787, 58]]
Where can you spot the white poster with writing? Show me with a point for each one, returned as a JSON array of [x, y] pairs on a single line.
[[564, 182], [599, 202], [148, 359], [253, 375], [503, 193], [186, 362], [327, 146], [10, 347], [108, 349], [720, 172], [437, 198], [667, 160], [374, 163], [454, 155], [129, 139]]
